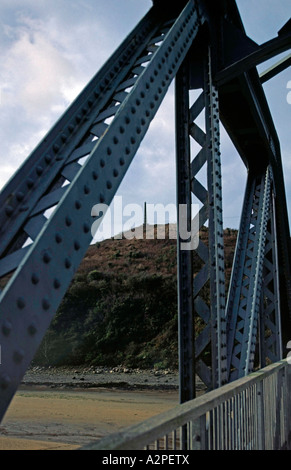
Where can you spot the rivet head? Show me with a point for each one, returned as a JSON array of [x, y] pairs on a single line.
[[20, 196], [32, 329], [58, 238], [86, 228], [57, 284], [6, 328], [68, 221], [5, 381], [77, 245], [18, 356], [46, 304], [9, 210], [46, 257], [20, 303], [34, 279], [29, 183], [68, 263]]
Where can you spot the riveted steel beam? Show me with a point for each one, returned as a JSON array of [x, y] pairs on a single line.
[[33, 293], [272, 71], [270, 336], [244, 301], [44, 167], [208, 317], [215, 229], [262, 53], [184, 257]]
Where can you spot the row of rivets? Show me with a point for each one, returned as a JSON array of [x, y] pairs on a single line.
[[6, 327]]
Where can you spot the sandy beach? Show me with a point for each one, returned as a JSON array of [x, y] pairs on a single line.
[[66, 408], [63, 410]]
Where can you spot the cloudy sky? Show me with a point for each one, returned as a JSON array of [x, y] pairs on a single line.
[[50, 49]]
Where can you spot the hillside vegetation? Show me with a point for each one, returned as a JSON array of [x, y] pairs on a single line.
[[121, 307]]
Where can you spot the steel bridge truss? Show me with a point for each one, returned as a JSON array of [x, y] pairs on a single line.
[[45, 210]]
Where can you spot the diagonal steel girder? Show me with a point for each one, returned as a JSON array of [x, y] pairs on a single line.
[[270, 335], [275, 69], [41, 273], [244, 301], [260, 54]]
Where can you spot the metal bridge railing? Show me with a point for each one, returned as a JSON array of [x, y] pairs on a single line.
[[251, 413]]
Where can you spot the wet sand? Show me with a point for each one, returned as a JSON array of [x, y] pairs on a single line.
[[40, 417]]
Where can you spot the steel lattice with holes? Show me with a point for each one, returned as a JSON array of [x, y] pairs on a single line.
[[45, 210]]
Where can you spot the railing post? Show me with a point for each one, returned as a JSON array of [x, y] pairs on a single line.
[[196, 434], [288, 405], [277, 436], [261, 415], [285, 405]]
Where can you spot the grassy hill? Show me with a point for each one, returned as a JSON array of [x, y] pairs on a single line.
[[121, 307]]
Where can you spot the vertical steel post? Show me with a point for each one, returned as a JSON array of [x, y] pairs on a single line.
[[184, 257], [215, 237], [213, 334], [211, 337]]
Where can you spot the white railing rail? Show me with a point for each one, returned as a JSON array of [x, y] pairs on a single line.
[[252, 413]]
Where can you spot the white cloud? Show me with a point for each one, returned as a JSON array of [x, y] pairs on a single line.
[[49, 53], [151, 177], [35, 71], [287, 170], [7, 170], [39, 77]]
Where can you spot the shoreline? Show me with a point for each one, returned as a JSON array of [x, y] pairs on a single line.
[[63, 408], [122, 378], [41, 417], [77, 377]]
